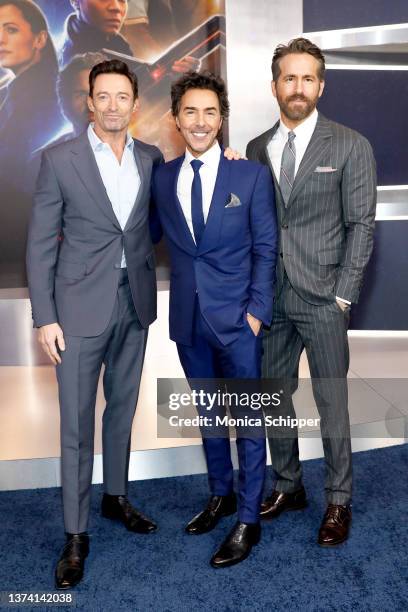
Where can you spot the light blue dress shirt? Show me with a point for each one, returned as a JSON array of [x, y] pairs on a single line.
[[121, 180]]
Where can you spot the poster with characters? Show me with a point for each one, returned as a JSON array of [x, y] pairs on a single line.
[[47, 49]]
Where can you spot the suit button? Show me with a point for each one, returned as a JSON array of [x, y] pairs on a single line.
[[285, 226], [117, 266], [281, 254]]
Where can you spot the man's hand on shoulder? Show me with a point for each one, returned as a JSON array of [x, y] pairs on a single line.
[[51, 339], [254, 324], [233, 155]]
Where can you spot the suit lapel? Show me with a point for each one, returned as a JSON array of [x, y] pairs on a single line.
[[317, 147], [263, 153], [217, 207], [266, 160], [86, 167], [180, 222], [142, 162]]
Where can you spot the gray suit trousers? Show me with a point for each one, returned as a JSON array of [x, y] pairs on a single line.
[[121, 348], [322, 332]]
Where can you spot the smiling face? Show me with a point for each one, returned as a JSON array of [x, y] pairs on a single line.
[[298, 87], [112, 103], [199, 119], [105, 15], [19, 46]]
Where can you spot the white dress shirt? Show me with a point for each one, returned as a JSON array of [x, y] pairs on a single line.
[[208, 175], [121, 180], [304, 133]]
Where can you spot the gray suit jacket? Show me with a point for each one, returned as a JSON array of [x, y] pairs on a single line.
[[326, 230], [75, 242]]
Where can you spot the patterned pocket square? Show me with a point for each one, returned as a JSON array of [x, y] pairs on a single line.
[[233, 201], [325, 169]]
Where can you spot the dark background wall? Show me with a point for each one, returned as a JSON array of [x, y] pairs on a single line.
[[338, 14], [374, 102]]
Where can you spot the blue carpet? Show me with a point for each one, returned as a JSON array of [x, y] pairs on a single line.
[[169, 570]]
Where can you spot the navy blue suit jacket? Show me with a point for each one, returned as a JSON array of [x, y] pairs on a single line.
[[233, 268]]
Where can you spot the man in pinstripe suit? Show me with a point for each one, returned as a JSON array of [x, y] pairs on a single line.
[[325, 182]]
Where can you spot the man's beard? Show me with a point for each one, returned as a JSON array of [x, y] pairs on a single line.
[[300, 112]]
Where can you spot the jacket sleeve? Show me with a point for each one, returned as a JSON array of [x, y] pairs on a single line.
[[42, 244], [264, 247], [359, 196], [250, 151]]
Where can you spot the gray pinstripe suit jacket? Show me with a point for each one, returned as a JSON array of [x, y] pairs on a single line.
[[326, 230]]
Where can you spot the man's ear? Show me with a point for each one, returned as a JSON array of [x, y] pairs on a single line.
[[177, 123], [273, 88], [136, 105], [321, 88], [90, 104]]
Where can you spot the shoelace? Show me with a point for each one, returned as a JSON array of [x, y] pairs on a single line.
[[73, 546], [333, 515], [126, 506], [128, 510], [238, 533]]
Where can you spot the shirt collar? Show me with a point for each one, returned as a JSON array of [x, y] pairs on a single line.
[[209, 158], [98, 145], [304, 130]]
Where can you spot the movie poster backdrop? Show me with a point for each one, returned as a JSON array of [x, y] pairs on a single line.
[[47, 49]]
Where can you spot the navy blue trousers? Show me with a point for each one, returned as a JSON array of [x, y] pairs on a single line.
[[208, 358]]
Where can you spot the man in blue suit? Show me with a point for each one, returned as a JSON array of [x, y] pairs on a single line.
[[218, 218]]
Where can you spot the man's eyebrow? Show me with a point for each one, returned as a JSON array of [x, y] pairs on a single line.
[[304, 76], [119, 93], [195, 108]]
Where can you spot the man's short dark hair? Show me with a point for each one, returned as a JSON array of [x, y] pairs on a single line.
[[199, 80], [67, 76], [298, 45], [113, 67]]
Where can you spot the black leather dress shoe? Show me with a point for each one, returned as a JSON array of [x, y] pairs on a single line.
[[238, 544], [217, 507], [280, 502], [335, 525], [70, 567], [118, 507]]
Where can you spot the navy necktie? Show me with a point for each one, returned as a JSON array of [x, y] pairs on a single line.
[[197, 214]]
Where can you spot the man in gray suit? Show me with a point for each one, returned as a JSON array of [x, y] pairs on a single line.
[[92, 283], [325, 182]]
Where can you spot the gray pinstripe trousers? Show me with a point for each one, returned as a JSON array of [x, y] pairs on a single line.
[[322, 332]]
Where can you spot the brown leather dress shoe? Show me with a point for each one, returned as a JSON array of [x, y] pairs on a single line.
[[280, 502], [118, 507], [335, 525]]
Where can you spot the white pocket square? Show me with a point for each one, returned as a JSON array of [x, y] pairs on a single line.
[[325, 169], [233, 201]]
